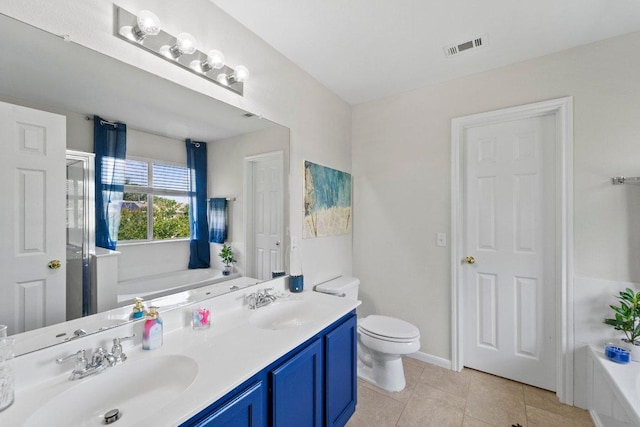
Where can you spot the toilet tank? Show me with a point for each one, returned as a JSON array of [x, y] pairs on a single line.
[[344, 286]]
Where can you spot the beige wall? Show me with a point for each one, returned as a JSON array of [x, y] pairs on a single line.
[[319, 121], [402, 176]]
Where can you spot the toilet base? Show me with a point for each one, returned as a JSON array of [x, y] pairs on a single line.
[[386, 372]]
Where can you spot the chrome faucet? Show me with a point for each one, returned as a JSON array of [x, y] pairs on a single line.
[[100, 359], [260, 298], [84, 367]]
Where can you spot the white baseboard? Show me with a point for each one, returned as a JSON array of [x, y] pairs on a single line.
[[434, 360], [595, 418]]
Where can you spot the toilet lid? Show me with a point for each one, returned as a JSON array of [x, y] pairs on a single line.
[[389, 328]]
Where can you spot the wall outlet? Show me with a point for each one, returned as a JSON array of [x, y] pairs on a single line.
[[441, 239]]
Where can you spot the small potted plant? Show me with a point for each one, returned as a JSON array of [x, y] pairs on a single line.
[[627, 320], [226, 255]]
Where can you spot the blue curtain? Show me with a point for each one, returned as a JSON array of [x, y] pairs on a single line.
[[110, 146], [199, 256], [217, 220]]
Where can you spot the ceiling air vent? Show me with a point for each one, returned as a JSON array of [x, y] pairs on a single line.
[[457, 48]]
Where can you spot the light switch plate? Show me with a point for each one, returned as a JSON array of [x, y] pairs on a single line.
[[441, 239]]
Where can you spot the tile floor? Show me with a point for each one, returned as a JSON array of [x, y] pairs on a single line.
[[440, 397]]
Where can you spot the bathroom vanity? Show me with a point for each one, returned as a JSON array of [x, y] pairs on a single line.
[[292, 362], [315, 385]]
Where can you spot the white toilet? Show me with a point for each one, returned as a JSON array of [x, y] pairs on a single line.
[[382, 340]]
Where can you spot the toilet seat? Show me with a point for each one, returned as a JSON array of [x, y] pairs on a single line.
[[388, 329]]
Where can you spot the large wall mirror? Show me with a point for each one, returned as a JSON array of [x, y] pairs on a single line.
[[248, 159]]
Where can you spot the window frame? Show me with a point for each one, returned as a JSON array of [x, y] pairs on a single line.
[[150, 192]]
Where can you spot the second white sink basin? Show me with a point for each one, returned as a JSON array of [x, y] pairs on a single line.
[[283, 315], [136, 389]]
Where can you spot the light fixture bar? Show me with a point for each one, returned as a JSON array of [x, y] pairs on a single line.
[[162, 42]]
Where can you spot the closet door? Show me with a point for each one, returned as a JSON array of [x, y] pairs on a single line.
[[510, 236]]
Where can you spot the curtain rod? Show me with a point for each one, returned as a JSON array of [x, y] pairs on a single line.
[[150, 132], [103, 122]]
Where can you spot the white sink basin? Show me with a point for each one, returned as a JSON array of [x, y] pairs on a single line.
[[283, 315], [136, 389]]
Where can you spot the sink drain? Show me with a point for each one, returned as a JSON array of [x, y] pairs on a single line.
[[112, 416]]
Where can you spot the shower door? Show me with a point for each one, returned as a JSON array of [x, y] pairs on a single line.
[[80, 233]]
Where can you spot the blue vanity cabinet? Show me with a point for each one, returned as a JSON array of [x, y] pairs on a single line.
[[341, 370], [244, 410], [313, 385], [297, 389]]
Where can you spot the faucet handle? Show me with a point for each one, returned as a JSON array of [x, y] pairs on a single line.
[[80, 357], [264, 292], [116, 350], [118, 340], [252, 299]]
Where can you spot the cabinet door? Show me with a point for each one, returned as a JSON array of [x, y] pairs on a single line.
[[245, 410], [341, 373], [297, 387]]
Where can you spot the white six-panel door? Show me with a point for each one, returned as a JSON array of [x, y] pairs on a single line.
[[509, 235], [267, 215], [32, 218]]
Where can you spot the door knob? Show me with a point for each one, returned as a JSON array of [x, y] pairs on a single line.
[[470, 260], [54, 264], [278, 243]]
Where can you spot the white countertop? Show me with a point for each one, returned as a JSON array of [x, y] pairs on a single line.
[[230, 352]]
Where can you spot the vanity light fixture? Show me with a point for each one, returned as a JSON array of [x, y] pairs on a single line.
[[147, 24], [180, 50], [214, 61], [240, 75], [185, 44]]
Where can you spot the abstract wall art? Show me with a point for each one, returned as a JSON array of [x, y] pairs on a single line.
[[327, 201]]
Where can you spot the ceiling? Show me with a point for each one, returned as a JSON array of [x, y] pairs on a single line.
[[368, 49]]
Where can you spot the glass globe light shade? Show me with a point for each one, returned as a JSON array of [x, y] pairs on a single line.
[[215, 59], [186, 43], [165, 50], [241, 73], [222, 79], [127, 31], [149, 23], [196, 66]]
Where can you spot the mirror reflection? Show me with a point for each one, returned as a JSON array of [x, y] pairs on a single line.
[[53, 270]]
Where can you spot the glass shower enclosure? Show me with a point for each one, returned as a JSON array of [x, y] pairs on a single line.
[[80, 233]]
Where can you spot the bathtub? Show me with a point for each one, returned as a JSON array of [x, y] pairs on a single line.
[[614, 391], [159, 285]]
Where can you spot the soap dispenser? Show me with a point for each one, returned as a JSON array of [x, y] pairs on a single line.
[[152, 330], [296, 278], [138, 309]]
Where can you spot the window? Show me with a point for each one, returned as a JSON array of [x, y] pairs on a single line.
[[156, 201]]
